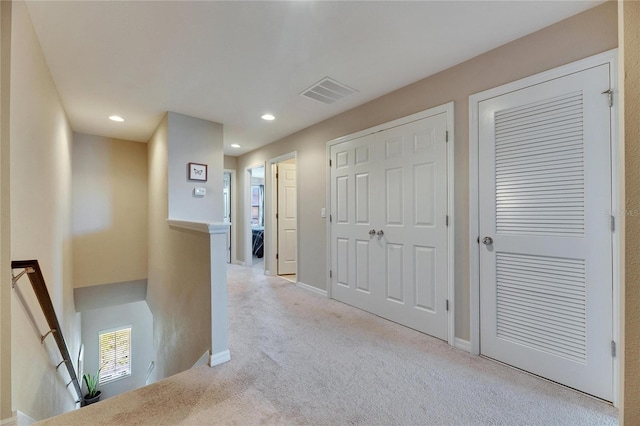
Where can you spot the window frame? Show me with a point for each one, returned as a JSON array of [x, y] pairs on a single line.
[[115, 330]]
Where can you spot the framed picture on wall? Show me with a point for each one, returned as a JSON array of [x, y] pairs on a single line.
[[198, 171]]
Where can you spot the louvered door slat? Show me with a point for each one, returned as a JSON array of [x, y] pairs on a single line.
[[533, 123]]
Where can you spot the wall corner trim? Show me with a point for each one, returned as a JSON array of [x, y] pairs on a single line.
[[206, 227], [219, 358]]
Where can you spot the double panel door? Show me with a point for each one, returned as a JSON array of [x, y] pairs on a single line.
[[389, 224]]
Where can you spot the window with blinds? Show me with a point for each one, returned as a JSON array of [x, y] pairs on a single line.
[[115, 354]]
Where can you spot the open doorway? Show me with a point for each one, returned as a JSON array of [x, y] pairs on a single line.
[[283, 239], [254, 256]]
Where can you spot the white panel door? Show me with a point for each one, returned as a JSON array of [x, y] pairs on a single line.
[[545, 255], [414, 209], [287, 225], [389, 232], [353, 213]]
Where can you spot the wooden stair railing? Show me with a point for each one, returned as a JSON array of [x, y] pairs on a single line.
[[32, 269]]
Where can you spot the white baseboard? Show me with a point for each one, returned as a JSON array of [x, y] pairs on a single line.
[[312, 289], [219, 358], [240, 262], [24, 420], [19, 419], [10, 421], [202, 360], [464, 345]]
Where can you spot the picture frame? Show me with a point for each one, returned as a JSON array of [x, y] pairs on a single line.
[[198, 171]]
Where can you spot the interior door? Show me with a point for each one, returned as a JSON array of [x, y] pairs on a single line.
[[389, 224], [354, 211], [287, 223], [545, 230]]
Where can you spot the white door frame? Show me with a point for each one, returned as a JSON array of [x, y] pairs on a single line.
[[271, 225], [617, 198], [248, 253], [449, 109], [234, 216]]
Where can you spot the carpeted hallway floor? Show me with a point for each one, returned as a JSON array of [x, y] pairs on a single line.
[[299, 358]]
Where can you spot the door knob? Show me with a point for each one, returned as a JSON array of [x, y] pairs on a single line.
[[372, 232], [380, 233], [487, 241]]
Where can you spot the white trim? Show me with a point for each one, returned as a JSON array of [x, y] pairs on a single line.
[[462, 344], [206, 227], [312, 289], [449, 109], [23, 420], [609, 57], [10, 421], [202, 360], [219, 358], [270, 233], [234, 216], [240, 262]]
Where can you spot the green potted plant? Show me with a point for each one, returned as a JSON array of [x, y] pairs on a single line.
[[93, 394]]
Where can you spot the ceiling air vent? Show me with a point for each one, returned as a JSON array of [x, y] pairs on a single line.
[[328, 91]]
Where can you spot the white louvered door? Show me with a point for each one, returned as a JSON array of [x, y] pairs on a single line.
[[545, 201]]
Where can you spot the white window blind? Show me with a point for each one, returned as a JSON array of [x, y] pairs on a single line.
[[115, 354]]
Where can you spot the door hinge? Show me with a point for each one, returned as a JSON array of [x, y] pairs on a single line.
[[446, 136], [447, 304], [613, 348], [277, 256], [329, 162], [330, 218], [478, 240], [446, 220], [276, 215], [330, 273], [613, 223], [277, 175], [610, 93]]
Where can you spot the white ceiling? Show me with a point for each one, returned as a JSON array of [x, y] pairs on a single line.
[[230, 62]]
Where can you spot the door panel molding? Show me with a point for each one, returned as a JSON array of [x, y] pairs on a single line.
[[610, 58]]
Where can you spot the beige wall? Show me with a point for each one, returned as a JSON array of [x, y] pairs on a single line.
[[193, 140], [178, 289], [41, 141], [109, 213], [230, 163], [578, 37], [5, 224], [630, 14]]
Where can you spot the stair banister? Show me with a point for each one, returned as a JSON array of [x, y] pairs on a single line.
[[33, 271]]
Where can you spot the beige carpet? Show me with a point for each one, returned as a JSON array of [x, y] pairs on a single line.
[[298, 358]]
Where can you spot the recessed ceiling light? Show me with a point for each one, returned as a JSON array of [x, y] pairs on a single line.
[[116, 118], [268, 117], [235, 145]]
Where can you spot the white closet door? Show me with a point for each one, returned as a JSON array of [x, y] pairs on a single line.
[[353, 213], [389, 231], [545, 255], [414, 207]]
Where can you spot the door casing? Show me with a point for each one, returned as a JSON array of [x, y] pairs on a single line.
[[449, 110], [617, 167], [270, 207]]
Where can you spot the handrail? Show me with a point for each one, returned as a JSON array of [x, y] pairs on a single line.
[[32, 269], [149, 370]]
